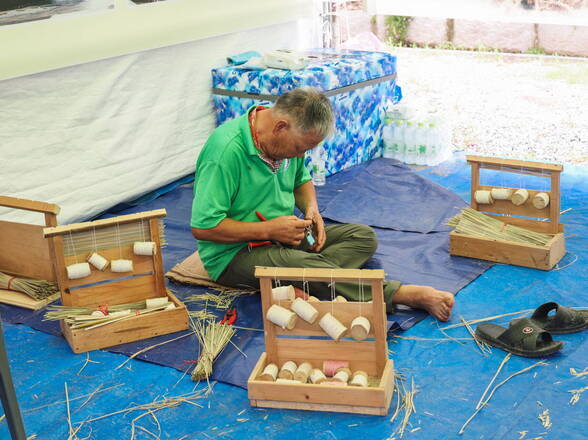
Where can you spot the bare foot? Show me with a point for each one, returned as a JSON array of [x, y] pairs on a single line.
[[300, 293], [437, 302]]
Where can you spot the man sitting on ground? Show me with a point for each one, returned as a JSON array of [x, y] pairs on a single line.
[[256, 163]]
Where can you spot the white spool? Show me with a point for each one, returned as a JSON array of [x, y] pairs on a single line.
[[332, 326], [313, 299], [340, 299], [283, 293], [78, 270], [144, 248], [317, 376], [121, 266], [304, 310], [270, 373], [280, 380], [120, 313], [98, 261], [483, 197], [359, 379], [541, 200], [170, 306], [342, 375], [151, 303], [97, 313], [302, 372], [287, 371], [519, 197], [501, 193], [360, 328], [281, 316]]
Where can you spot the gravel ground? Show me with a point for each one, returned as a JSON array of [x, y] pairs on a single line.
[[522, 107]]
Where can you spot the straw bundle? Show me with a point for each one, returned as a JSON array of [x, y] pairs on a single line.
[[89, 318], [476, 224], [221, 300], [213, 337], [36, 289]]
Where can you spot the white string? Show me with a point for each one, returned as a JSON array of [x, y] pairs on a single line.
[[277, 284], [333, 294], [143, 230], [119, 243], [305, 287], [73, 246], [361, 295]]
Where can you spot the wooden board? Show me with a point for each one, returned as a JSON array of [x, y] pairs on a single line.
[[302, 344], [516, 165], [20, 299], [507, 252], [132, 329]]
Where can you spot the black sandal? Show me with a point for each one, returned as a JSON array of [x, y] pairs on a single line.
[[523, 337], [565, 320]]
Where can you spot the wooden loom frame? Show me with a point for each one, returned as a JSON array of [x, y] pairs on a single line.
[[508, 252], [368, 355], [100, 288], [25, 252]]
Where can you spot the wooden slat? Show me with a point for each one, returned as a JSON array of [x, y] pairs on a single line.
[[117, 292], [379, 325], [132, 329], [526, 209], [312, 274], [353, 409], [85, 226], [20, 299], [474, 184], [533, 225], [483, 160], [157, 258], [29, 205], [554, 203], [141, 264], [537, 257], [313, 349], [265, 285], [344, 312], [24, 252]]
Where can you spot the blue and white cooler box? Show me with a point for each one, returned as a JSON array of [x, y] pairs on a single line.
[[359, 85]]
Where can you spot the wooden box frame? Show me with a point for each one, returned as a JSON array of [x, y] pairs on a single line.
[[25, 252], [100, 288], [508, 252], [370, 355]]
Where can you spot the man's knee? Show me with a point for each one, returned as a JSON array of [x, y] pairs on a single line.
[[366, 235]]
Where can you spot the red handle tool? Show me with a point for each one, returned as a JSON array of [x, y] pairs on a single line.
[[253, 244], [230, 317]]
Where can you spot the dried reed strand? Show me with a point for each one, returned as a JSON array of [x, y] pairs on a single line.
[[576, 394], [574, 373], [71, 400], [490, 318], [36, 289], [481, 405], [86, 363], [221, 300], [409, 407], [202, 314], [545, 419], [476, 224], [213, 337], [150, 348], [504, 361], [484, 348], [412, 338]]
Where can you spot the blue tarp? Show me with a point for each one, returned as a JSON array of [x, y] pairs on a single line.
[[450, 377]]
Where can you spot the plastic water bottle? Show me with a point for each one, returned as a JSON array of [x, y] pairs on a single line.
[[421, 141], [388, 136], [411, 143], [399, 145], [319, 166]]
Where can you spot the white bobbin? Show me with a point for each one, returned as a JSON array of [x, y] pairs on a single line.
[[287, 371], [359, 379], [281, 316], [170, 306], [121, 266], [78, 270], [501, 193], [340, 299], [144, 248], [304, 310], [360, 328], [119, 313], [283, 293], [332, 326], [98, 261], [483, 197], [317, 376], [270, 373], [98, 314], [151, 303], [519, 197], [541, 200], [342, 375], [302, 372]]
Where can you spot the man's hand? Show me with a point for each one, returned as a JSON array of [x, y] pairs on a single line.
[[288, 229], [318, 227]]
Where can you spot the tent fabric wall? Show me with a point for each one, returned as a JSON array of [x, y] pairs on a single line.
[[90, 136]]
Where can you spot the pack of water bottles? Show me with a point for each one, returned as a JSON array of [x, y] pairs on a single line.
[[416, 139]]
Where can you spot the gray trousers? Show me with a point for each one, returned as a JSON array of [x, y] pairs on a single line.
[[347, 247]]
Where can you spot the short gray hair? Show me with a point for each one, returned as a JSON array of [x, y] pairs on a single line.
[[309, 110]]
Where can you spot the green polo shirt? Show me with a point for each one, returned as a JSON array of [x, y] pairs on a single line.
[[232, 181]]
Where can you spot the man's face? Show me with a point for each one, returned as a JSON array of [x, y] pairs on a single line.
[[286, 141]]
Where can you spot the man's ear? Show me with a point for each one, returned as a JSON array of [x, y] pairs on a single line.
[[280, 126]]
